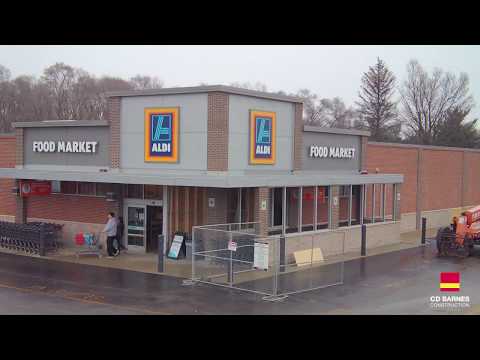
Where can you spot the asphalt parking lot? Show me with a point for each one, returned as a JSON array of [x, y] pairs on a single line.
[[400, 282]]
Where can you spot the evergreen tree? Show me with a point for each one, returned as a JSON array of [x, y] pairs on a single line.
[[455, 131], [377, 111]]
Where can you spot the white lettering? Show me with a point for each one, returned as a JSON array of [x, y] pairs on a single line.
[[61, 146], [94, 144], [330, 152]]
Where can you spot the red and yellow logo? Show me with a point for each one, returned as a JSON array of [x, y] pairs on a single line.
[[450, 281]]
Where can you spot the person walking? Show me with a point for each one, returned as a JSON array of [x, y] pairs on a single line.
[[120, 230], [111, 231]]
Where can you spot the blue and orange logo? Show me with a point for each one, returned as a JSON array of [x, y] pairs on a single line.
[[161, 135], [262, 137]]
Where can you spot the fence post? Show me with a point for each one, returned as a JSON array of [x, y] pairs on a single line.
[[282, 253], [364, 240], [42, 240], [161, 262], [424, 229], [230, 263]]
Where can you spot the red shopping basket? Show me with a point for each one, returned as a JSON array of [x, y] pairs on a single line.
[[79, 239]]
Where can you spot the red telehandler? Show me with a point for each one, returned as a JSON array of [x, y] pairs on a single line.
[[460, 237]]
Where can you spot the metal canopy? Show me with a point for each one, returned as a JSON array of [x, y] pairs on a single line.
[[206, 179]]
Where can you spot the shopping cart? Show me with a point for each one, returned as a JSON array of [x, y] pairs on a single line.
[[87, 244]]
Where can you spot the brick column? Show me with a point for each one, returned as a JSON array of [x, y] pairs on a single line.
[[363, 158], [396, 203], [20, 208], [261, 195], [217, 137], [19, 146], [333, 193], [113, 116], [298, 137]]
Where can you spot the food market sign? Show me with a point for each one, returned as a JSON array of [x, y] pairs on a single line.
[[334, 152], [88, 147]]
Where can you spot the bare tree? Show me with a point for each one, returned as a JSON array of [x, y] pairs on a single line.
[[4, 74], [427, 99], [140, 82], [60, 79], [258, 86], [376, 109]]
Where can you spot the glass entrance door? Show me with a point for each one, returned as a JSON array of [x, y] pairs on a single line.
[[136, 226]]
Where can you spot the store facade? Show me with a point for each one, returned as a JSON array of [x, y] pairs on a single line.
[[170, 159]]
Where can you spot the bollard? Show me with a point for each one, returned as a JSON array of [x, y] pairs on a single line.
[[424, 229], [282, 253], [161, 259], [42, 240], [364, 240]]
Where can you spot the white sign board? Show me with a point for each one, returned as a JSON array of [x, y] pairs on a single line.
[[176, 246], [232, 246], [260, 256]]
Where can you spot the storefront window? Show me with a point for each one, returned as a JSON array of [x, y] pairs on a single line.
[[356, 203], [308, 208], [293, 209], [344, 205], [104, 188], [135, 191], [153, 192], [69, 187], [86, 188], [56, 186], [323, 209]]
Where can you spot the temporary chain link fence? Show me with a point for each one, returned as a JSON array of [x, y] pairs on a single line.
[[236, 256]]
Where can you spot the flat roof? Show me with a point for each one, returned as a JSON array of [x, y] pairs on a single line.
[[205, 89], [307, 128], [206, 180], [61, 123]]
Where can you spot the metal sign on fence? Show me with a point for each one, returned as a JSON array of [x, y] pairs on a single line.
[[260, 256], [232, 246]]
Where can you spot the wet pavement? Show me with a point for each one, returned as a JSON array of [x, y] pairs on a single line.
[[400, 282]]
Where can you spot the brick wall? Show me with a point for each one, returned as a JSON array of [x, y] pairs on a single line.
[[298, 137], [85, 209], [113, 116], [435, 178], [217, 146], [397, 160], [19, 146], [7, 159], [261, 215]]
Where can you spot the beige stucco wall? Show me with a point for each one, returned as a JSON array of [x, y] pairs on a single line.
[[71, 228], [7, 218], [347, 240]]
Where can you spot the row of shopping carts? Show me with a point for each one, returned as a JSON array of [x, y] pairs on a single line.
[[27, 237]]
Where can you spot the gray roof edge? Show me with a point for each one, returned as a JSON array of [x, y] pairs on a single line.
[[62, 123], [417, 146], [204, 181], [307, 128], [205, 89]]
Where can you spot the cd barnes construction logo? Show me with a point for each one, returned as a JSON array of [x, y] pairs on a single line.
[[449, 282]]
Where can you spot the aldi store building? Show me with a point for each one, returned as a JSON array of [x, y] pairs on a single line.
[[170, 159]]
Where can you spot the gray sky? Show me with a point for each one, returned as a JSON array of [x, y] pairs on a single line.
[[328, 71]]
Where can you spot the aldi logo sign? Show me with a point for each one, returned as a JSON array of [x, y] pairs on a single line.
[[161, 135], [262, 137]]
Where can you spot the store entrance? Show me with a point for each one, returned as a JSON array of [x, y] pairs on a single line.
[[154, 228]]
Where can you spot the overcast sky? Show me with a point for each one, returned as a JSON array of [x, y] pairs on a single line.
[[328, 71]]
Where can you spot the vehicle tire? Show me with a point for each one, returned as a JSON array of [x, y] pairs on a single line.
[[442, 244], [468, 243]]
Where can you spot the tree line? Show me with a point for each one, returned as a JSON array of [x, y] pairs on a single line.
[[426, 108]]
